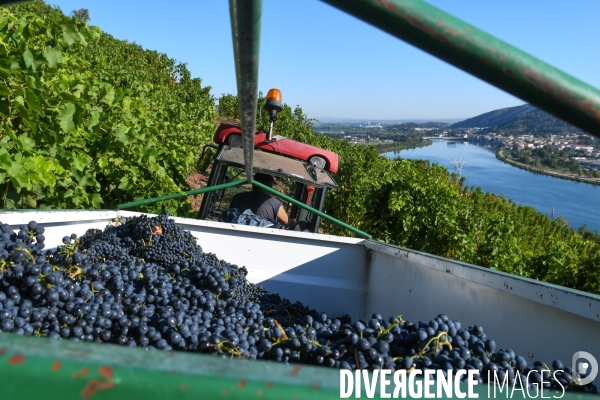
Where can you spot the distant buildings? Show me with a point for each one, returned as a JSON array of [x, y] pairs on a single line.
[[585, 149], [590, 164]]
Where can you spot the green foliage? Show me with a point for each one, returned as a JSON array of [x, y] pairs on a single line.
[[589, 235], [422, 206], [560, 160], [81, 15], [89, 121], [229, 107]]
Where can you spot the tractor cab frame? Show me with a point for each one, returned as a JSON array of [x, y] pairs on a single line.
[[301, 171]]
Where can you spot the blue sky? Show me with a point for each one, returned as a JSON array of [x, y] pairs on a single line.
[[332, 64]]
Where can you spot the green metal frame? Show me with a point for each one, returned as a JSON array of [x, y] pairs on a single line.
[[42, 368], [241, 182], [179, 195]]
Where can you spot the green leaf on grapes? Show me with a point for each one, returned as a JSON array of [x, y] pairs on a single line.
[[45, 171], [94, 119], [121, 135], [26, 143], [103, 162], [33, 101], [3, 22], [4, 73], [18, 176], [26, 120], [81, 161], [28, 58], [96, 200], [85, 180], [65, 117], [70, 35], [124, 185], [5, 161], [68, 97], [109, 97], [52, 55]]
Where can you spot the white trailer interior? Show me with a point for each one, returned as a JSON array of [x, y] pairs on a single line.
[[340, 275]]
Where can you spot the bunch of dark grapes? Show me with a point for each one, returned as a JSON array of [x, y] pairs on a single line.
[[147, 283]]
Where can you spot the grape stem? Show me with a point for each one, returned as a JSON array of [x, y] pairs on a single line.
[[283, 335], [423, 352], [397, 321], [26, 251], [76, 271]]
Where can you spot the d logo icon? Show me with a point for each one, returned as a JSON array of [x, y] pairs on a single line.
[[590, 368]]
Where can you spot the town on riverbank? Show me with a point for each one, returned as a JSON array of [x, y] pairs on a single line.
[[572, 156], [569, 154]]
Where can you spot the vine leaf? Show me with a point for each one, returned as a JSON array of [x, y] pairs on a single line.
[[94, 119], [81, 161], [28, 58], [65, 118], [52, 55], [5, 161], [96, 200], [70, 35], [18, 175], [26, 143]]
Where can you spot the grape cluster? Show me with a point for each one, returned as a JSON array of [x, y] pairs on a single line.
[[147, 283]]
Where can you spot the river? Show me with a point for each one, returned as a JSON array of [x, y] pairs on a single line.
[[578, 203]]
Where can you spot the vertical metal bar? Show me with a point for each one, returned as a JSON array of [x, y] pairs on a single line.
[[483, 56], [298, 196], [319, 205], [245, 29], [207, 197]]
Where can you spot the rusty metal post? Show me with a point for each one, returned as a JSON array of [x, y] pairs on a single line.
[[245, 29]]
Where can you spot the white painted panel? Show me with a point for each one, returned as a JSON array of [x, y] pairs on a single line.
[[573, 301], [509, 308]]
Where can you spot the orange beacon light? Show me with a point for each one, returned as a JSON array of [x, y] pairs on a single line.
[[273, 105]]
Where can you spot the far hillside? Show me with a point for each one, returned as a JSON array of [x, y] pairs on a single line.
[[520, 120]]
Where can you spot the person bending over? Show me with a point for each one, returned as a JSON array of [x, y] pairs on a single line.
[[261, 203]]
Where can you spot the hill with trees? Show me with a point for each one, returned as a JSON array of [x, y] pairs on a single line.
[[89, 121], [520, 120]]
